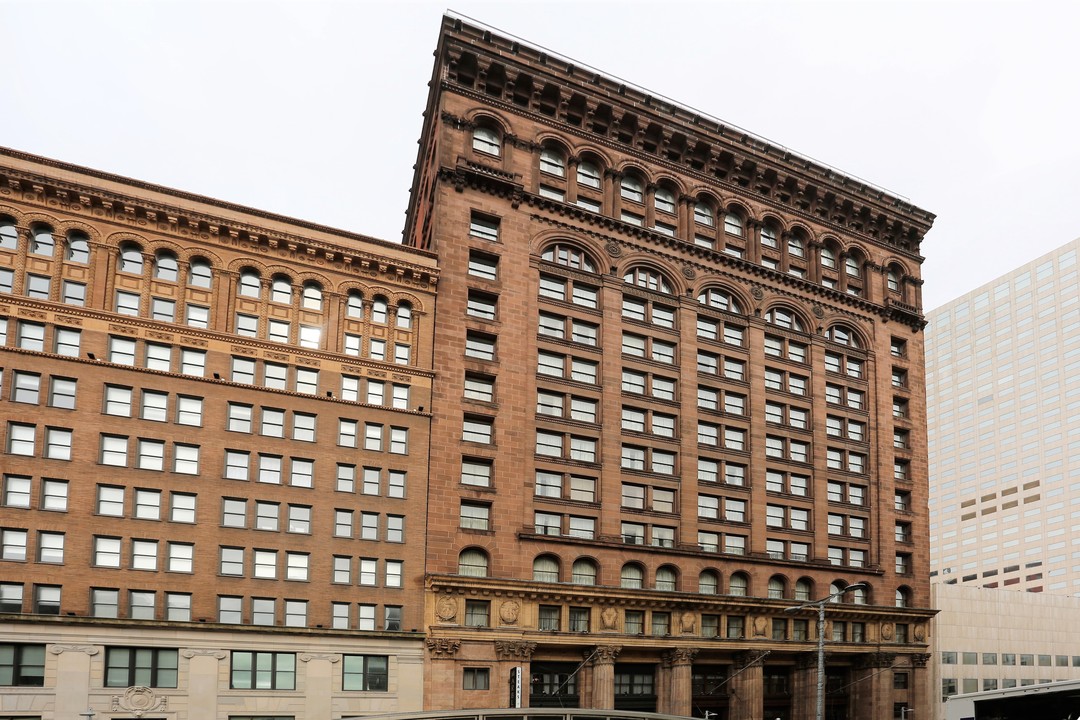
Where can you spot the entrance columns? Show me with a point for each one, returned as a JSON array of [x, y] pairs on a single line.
[[680, 696], [603, 681]]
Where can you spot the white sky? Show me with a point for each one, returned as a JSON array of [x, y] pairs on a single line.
[[312, 109]]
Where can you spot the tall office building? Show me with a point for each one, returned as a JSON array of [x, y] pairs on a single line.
[[214, 456], [1002, 388], [679, 393], [1002, 380]]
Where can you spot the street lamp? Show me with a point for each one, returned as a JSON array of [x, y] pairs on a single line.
[[820, 605]]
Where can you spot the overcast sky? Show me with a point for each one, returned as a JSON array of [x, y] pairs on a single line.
[[312, 109]]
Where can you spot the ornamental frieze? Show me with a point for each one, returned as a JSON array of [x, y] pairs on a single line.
[[139, 700], [61, 649]]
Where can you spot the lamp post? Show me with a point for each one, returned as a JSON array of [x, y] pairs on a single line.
[[820, 605]]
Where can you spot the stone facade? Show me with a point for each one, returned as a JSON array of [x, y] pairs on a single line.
[[680, 391]]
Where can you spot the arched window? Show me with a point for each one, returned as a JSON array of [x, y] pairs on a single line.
[[404, 315], [250, 283], [281, 290], [312, 296], [486, 140], [199, 274], [785, 318], [568, 255], [552, 162], [584, 572], [796, 246], [473, 563], [378, 310], [632, 576], [41, 241], [852, 266], [354, 306], [893, 279], [631, 188], [768, 236], [828, 257], [664, 200], [719, 298], [78, 247], [803, 589], [165, 267], [843, 335], [738, 584], [546, 569], [708, 583], [131, 259], [733, 224], [647, 278], [703, 214], [588, 174], [9, 234], [903, 597], [667, 578], [776, 587], [860, 595]]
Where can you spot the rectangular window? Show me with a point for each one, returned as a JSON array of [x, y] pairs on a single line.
[[22, 665], [365, 672], [263, 671]]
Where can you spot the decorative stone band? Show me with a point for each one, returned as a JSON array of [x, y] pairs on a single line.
[[193, 652], [329, 657]]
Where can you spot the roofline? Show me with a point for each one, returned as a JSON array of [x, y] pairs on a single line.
[[6, 152]]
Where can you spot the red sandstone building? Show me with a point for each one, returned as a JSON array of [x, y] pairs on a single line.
[[673, 388], [214, 457], [680, 391]]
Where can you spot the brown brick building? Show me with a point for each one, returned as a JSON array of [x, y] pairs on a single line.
[[215, 436], [680, 391]]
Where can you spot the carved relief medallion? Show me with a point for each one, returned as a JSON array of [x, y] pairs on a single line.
[[446, 608], [508, 612]]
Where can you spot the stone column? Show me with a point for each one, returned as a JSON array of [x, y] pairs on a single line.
[[680, 698], [73, 666], [871, 686], [203, 680], [747, 693], [923, 697], [318, 690], [440, 688], [804, 687], [603, 684]]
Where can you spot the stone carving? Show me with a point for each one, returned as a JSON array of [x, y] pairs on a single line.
[[604, 654], [190, 653], [331, 657], [757, 293], [508, 612], [608, 617], [886, 631], [920, 633], [819, 312], [687, 622], [681, 656], [919, 660], [138, 700], [760, 625], [443, 647], [688, 272], [446, 608], [514, 649], [876, 660], [88, 649], [613, 249]]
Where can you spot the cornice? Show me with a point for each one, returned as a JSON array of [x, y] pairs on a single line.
[[56, 194], [833, 182]]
